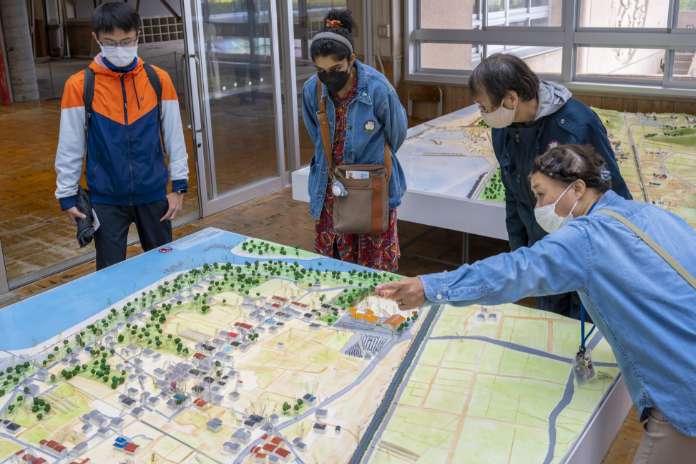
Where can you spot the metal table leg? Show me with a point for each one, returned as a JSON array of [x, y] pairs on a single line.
[[465, 248], [4, 286]]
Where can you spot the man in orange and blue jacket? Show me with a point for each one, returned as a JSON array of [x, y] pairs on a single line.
[[132, 123]]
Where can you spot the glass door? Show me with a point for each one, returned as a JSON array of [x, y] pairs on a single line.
[[235, 77]]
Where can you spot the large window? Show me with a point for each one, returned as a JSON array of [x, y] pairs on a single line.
[[637, 42]]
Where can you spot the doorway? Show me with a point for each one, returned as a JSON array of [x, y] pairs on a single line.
[[236, 111]]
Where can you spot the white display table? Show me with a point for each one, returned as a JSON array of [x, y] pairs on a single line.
[[443, 179]]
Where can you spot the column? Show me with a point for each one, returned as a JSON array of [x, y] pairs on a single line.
[[20, 56]]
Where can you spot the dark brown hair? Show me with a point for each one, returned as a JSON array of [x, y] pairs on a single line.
[[501, 72], [568, 163]]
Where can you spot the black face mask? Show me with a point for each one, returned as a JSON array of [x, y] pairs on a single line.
[[335, 80]]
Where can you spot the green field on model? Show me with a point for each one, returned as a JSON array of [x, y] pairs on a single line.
[[494, 190], [261, 248], [242, 279], [13, 376], [294, 408], [152, 308], [38, 406]]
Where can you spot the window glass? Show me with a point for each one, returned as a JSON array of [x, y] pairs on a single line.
[[522, 13], [624, 13], [626, 63], [542, 60], [449, 56], [684, 66], [448, 14], [687, 14]]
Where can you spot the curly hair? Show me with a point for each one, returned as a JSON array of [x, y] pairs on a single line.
[[568, 163], [341, 22]]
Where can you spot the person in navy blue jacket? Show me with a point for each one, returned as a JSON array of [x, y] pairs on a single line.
[[529, 116]]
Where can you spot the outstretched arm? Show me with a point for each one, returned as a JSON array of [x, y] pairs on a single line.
[[557, 264]]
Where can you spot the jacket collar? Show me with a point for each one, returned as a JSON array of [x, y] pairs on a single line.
[[363, 96], [119, 69], [609, 198], [100, 67]]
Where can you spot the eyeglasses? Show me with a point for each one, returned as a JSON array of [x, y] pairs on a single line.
[[482, 108], [121, 43]]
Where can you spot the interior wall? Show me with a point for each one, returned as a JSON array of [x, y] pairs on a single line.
[[148, 8]]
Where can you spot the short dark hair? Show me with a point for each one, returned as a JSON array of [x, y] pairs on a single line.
[[568, 163], [341, 22], [114, 15], [502, 72]]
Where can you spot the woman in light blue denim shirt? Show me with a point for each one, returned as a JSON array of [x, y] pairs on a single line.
[[639, 301], [364, 114]]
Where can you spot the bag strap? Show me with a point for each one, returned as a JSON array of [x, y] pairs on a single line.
[[156, 84], [388, 163], [691, 280], [324, 128], [88, 97]]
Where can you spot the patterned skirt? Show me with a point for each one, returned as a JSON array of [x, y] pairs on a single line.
[[379, 252]]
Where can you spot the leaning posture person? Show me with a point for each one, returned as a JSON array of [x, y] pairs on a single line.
[[528, 116], [633, 265], [364, 113]]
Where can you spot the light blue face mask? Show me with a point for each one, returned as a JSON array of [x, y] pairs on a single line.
[[547, 217]]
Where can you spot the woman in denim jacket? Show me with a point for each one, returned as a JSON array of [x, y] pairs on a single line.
[[644, 304], [364, 113]]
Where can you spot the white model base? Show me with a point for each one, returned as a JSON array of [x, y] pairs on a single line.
[[434, 209]]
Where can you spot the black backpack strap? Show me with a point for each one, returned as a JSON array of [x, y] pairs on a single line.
[[156, 84], [88, 96]]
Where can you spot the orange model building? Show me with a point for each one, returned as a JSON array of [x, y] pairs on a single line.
[[366, 315], [394, 321]]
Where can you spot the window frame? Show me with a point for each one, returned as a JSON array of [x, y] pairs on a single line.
[[569, 36]]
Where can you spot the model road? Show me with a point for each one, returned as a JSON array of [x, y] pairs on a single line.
[[378, 421], [565, 401], [395, 387], [636, 159], [516, 347], [363, 375]]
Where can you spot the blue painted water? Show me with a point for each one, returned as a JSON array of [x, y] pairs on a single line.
[[41, 317]]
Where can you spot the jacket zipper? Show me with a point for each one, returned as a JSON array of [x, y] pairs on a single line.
[[125, 115]]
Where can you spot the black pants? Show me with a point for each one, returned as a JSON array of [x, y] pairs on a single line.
[[112, 237]]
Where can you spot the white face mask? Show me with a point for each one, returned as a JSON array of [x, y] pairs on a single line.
[[119, 56], [547, 217], [501, 117]]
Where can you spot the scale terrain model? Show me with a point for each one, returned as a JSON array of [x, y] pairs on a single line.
[[225, 349], [657, 156], [493, 384]]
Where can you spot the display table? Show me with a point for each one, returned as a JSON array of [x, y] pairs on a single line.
[[451, 169], [227, 349]]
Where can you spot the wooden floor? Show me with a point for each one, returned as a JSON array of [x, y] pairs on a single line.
[[34, 233], [280, 219]]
